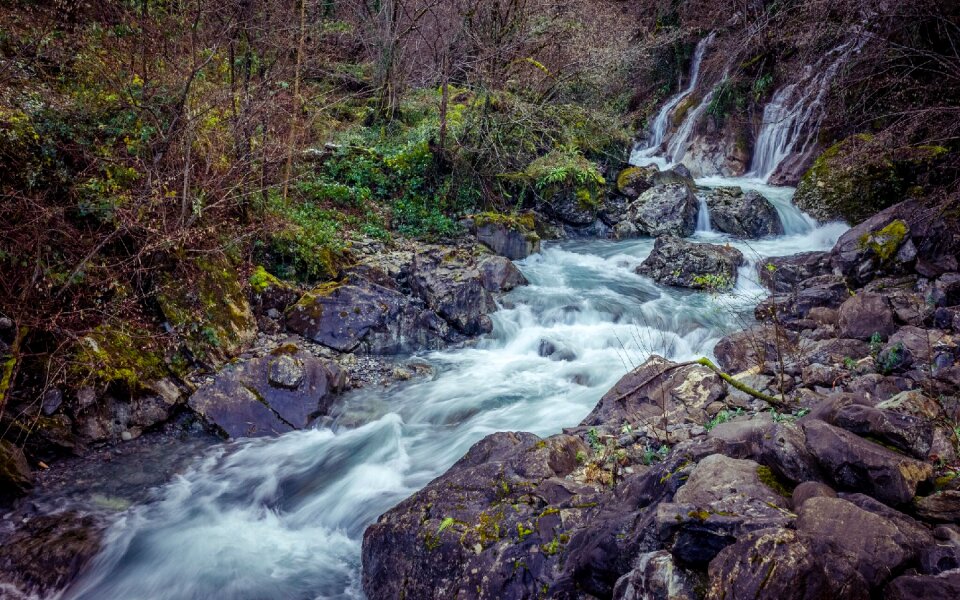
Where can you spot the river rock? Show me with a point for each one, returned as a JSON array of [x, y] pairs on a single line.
[[450, 283], [47, 552], [680, 263], [823, 291], [853, 463], [863, 315], [945, 586], [666, 209], [753, 348], [498, 274], [942, 506], [568, 206], [658, 391], [744, 215], [722, 499], [633, 181], [908, 433], [508, 239], [784, 274], [280, 392], [16, 478], [657, 576]]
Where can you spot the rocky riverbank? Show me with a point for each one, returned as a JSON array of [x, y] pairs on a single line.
[[819, 458]]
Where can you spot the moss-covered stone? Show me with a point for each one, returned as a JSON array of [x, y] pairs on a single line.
[[851, 182], [523, 222], [885, 243], [208, 307], [119, 353]]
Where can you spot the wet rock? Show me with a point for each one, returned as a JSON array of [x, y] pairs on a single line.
[[656, 577], [667, 209], [270, 293], [508, 239], [908, 433], [46, 553], [280, 392], [744, 215], [864, 315], [868, 542], [451, 285], [853, 463], [625, 230], [943, 507], [16, 479], [780, 564], [722, 499], [658, 391], [633, 181], [784, 274], [499, 275], [939, 558], [824, 291], [680, 263], [51, 401], [945, 586], [752, 348]]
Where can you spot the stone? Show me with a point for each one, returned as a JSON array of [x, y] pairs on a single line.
[[270, 293], [742, 214], [508, 240], [679, 263], [785, 451], [864, 315], [784, 274], [752, 348], [669, 209], [450, 284], [906, 432], [16, 479], [942, 507], [913, 402], [809, 490], [280, 392], [853, 463], [824, 291], [498, 274], [625, 230], [656, 577], [51, 401], [945, 586], [633, 181]]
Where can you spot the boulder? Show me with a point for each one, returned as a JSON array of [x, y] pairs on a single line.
[[499, 275], [658, 391], [450, 283], [784, 274], [656, 576], [863, 315], [908, 433], [633, 181], [666, 209], [752, 348], [823, 291], [625, 230], [785, 451], [943, 507], [945, 586], [722, 499], [280, 392], [507, 237], [809, 490], [853, 463], [269, 292], [744, 215], [576, 207], [679, 263], [16, 479]]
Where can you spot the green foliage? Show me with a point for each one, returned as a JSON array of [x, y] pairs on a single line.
[[728, 97], [713, 282], [723, 417]]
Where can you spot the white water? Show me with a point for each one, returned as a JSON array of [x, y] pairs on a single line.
[[703, 217], [283, 518], [793, 116]]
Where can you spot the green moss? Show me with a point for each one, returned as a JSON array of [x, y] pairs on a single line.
[[887, 241], [261, 281], [118, 354], [680, 113], [523, 222], [770, 480]]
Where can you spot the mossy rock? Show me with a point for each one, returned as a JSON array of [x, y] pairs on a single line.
[[271, 292], [885, 243], [633, 181], [121, 353], [522, 222], [205, 303], [850, 181]]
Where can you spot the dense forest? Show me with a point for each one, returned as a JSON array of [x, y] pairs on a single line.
[[186, 184]]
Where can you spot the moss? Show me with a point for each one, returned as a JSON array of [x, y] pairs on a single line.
[[680, 113], [523, 222], [207, 306], [118, 354], [627, 177], [770, 480], [261, 281], [887, 241]]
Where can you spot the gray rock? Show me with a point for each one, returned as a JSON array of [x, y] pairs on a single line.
[[51, 401], [280, 392], [625, 230], [906, 432], [669, 209], [656, 576], [510, 241], [679, 263], [451, 285], [16, 479], [784, 274], [945, 586], [943, 507], [823, 291], [809, 490], [744, 215], [864, 315]]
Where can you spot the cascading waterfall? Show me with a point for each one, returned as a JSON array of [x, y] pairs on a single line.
[[793, 116], [703, 216], [658, 130]]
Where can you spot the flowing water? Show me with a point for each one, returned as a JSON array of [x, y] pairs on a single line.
[[284, 517]]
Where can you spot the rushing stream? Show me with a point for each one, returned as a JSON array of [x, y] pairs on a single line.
[[284, 517]]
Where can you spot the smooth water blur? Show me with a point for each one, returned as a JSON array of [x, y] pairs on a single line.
[[284, 517]]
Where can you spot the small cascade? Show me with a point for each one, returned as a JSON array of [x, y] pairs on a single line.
[[703, 217], [681, 139], [793, 116], [658, 129]]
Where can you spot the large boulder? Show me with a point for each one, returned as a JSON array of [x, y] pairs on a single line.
[[16, 479], [680, 263], [658, 392], [905, 432], [281, 392], [667, 209], [823, 291], [742, 214], [945, 586], [864, 315], [633, 181], [450, 283], [785, 274], [514, 237], [857, 464], [656, 576], [753, 348]]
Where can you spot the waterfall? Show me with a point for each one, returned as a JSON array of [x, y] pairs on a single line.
[[703, 216], [793, 116], [681, 139], [658, 130]]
